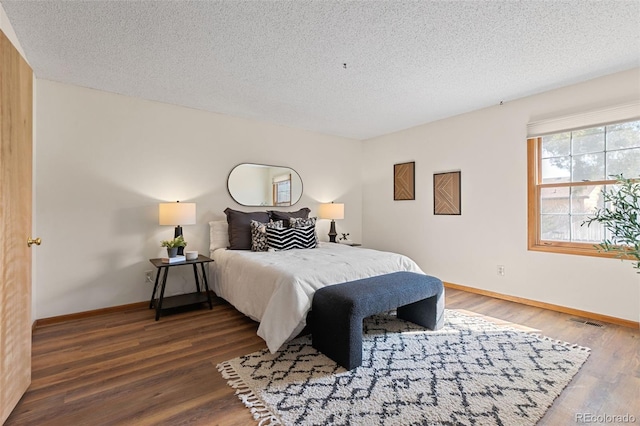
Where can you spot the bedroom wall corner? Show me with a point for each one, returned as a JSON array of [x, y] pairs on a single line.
[[105, 161], [489, 147]]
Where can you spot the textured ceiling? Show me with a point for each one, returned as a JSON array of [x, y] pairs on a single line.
[[407, 62]]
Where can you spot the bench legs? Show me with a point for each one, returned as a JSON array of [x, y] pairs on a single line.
[[428, 312], [340, 336]]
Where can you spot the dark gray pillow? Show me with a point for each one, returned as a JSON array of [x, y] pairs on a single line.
[[285, 216], [240, 227]]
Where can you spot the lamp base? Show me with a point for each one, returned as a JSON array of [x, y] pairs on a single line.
[[332, 232], [176, 234]]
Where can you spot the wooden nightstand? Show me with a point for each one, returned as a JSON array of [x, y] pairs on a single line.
[[181, 300]]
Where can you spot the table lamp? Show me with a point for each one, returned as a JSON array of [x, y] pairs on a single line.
[[177, 214], [331, 211]]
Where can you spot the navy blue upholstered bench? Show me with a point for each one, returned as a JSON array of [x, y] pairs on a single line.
[[337, 311]]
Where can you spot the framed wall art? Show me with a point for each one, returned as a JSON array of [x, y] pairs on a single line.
[[446, 193], [404, 181]]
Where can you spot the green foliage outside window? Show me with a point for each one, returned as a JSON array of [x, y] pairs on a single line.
[[621, 217], [577, 168]]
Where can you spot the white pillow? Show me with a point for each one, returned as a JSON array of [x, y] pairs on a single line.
[[218, 234]]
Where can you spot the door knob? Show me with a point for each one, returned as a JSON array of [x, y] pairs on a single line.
[[31, 241]]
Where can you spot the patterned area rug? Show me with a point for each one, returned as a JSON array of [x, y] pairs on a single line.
[[471, 372]]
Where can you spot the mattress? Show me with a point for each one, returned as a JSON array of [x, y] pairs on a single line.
[[276, 288]]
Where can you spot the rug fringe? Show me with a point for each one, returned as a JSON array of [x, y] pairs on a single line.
[[261, 412], [562, 343]]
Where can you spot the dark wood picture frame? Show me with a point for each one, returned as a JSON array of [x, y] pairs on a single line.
[[447, 193], [404, 181]]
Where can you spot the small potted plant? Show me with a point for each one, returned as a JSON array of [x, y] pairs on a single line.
[[173, 245]]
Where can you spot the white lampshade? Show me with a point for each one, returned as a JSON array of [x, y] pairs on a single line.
[[331, 211], [177, 213]]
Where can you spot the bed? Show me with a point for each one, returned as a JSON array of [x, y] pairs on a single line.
[[276, 288]]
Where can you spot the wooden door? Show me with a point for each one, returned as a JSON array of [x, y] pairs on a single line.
[[16, 111]]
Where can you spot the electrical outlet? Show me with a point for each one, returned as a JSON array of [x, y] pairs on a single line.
[[149, 276], [501, 270]]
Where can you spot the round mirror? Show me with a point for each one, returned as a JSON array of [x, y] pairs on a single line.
[[261, 185]]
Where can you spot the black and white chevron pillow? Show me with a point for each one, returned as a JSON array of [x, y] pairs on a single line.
[[292, 238]]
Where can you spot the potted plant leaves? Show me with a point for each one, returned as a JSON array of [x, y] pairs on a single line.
[[621, 218], [173, 245]]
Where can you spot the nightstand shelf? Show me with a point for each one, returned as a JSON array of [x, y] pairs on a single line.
[[183, 300], [200, 296]]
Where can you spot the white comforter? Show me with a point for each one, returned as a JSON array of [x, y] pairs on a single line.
[[276, 288]]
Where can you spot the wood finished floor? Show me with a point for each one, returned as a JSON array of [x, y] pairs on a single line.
[[127, 369]]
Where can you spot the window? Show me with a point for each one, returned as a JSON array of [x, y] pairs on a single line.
[[282, 190], [567, 173]]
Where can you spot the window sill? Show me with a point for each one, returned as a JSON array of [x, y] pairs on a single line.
[[567, 248]]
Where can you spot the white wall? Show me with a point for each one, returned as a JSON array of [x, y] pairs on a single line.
[[105, 161], [489, 147]]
